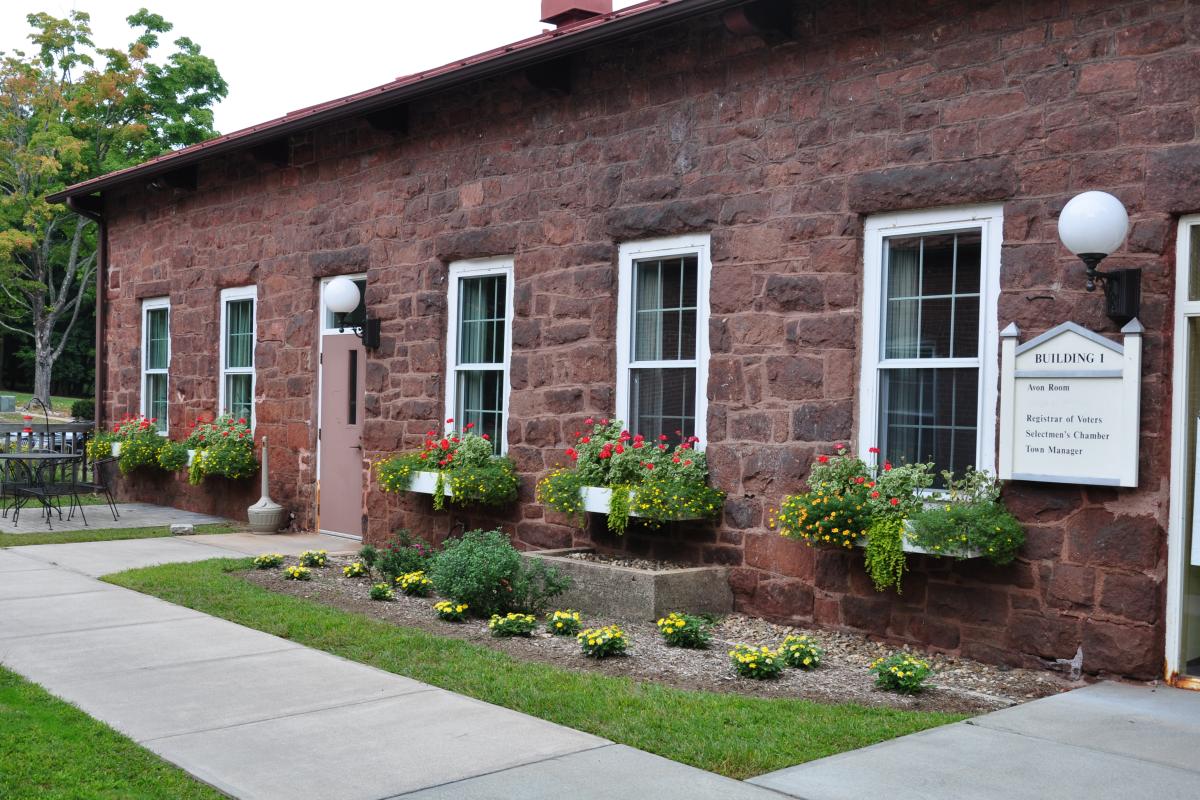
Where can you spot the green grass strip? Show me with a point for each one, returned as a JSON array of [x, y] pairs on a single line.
[[101, 534], [49, 749], [731, 734]]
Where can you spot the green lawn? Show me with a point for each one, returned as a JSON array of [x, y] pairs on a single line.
[[100, 534], [731, 734], [50, 749], [61, 405]]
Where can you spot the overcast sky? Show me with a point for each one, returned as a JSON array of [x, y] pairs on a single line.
[[281, 56]]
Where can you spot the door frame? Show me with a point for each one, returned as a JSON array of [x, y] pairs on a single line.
[[321, 334], [1178, 554]]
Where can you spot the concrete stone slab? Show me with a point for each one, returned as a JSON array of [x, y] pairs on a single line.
[[48, 583], [131, 515], [15, 562], [81, 612], [103, 558], [168, 701], [1158, 724], [370, 750], [289, 544], [615, 772], [971, 762], [58, 658]]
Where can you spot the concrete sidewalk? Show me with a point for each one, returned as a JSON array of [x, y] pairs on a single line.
[[262, 717], [99, 517], [1105, 741]]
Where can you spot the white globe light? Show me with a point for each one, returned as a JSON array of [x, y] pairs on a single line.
[[1093, 223], [341, 295]]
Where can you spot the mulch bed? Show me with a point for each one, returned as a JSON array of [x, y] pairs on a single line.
[[958, 685]]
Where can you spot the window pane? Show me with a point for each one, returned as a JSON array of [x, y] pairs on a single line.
[[157, 338], [239, 334], [664, 309], [156, 399], [929, 415], [931, 303], [481, 401], [239, 395], [482, 309], [663, 401]]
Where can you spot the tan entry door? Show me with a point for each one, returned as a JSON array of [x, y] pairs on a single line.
[[343, 366]]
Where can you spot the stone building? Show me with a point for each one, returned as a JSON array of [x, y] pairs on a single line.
[[763, 154]]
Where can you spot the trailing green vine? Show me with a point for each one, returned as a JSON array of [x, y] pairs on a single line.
[[618, 510], [885, 558]]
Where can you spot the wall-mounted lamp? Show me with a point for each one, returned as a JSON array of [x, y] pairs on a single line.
[[1092, 225], [342, 297]]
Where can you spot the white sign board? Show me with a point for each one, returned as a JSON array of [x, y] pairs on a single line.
[[1069, 406]]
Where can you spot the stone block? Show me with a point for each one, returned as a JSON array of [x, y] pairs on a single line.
[[638, 594], [182, 529]]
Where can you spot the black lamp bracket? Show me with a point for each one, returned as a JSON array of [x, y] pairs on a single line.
[[1122, 287], [368, 332]]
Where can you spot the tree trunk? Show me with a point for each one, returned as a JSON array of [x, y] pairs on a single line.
[[43, 368]]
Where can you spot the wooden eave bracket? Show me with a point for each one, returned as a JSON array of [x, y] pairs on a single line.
[[185, 178], [393, 119], [764, 18], [277, 152], [553, 76]]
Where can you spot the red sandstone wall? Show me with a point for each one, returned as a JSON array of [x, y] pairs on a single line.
[[779, 150]]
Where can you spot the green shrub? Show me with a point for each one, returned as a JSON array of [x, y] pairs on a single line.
[[801, 652], [901, 672], [564, 623], [415, 584], [450, 611], [512, 624], [172, 456], [381, 591], [368, 554], [402, 555], [83, 409], [684, 630], [297, 573], [314, 558], [485, 571], [760, 663], [602, 642], [356, 569], [268, 561]]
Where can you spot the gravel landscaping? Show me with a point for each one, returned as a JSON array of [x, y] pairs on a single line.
[[958, 684]]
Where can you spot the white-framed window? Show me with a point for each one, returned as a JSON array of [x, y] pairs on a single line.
[[662, 337], [930, 338], [479, 347], [236, 389], [156, 359]]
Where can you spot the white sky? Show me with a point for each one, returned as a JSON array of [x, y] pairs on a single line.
[[281, 56]]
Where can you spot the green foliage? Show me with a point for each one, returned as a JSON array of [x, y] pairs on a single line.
[[512, 624], [970, 520], [83, 409], [368, 554], [801, 652], [655, 482], [602, 642], [901, 672], [684, 630], [268, 561], [70, 111], [564, 623], [140, 443], [465, 464], [100, 445], [402, 555], [382, 592], [759, 663], [356, 569], [485, 571], [450, 611], [885, 558], [172, 456]]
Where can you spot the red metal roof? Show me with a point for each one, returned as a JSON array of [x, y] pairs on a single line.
[[546, 45]]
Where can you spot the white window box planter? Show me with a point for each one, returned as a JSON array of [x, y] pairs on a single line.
[[909, 547], [116, 449], [597, 499], [424, 482], [191, 457]]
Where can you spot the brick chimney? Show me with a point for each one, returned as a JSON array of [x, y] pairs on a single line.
[[561, 13]]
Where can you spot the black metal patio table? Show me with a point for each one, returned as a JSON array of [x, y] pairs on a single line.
[[42, 476]]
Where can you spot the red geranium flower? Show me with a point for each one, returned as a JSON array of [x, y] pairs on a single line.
[[620, 449], [486, 437], [823, 459], [874, 495], [895, 501], [872, 449], [887, 466], [449, 420]]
